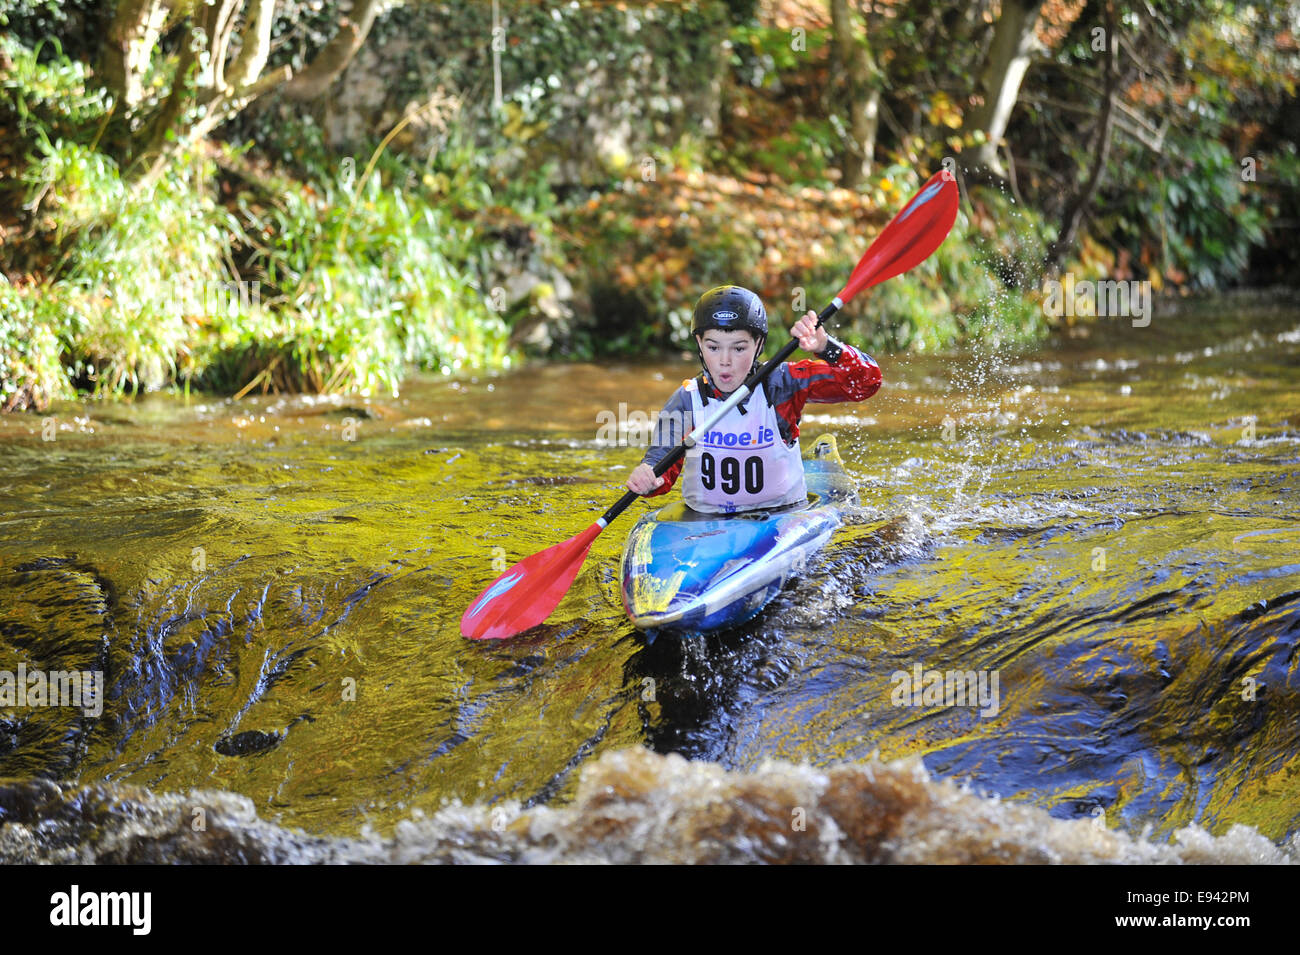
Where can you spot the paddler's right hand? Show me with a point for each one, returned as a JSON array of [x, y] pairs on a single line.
[[643, 480]]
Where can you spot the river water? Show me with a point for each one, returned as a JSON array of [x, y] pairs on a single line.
[[1105, 532]]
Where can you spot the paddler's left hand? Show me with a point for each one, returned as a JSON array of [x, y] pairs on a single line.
[[811, 337]]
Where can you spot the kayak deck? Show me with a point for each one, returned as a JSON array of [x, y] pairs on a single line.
[[687, 571]]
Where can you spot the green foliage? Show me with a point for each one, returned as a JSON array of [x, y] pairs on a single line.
[[361, 274], [49, 94], [78, 26], [30, 372], [1008, 239], [978, 287], [344, 282], [1210, 222], [642, 68], [761, 53], [804, 155], [1173, 205], [127, 314], [351, 286], [645, 271], [364, 281], [1279, 193], [742, 11], [404, 251], [799, 150], [1196, 220], [646, 264]]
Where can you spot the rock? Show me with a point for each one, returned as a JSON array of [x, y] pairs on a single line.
[[248, 743]]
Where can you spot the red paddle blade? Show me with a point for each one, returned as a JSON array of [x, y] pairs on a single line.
[[526, 594], [910, 237]]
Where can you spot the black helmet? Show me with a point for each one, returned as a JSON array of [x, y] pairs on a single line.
[[730, 308]]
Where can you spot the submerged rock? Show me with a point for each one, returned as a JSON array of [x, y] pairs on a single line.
[[248, 743]]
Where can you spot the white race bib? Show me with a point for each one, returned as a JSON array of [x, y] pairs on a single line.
[[741, 462]]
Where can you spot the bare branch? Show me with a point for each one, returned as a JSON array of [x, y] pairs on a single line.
[[1072, 218], [1141, 129], [219, 27], [256, 46], [218, 111], [333, 59]]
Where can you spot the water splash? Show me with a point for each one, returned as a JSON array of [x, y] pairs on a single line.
[[631, 807]]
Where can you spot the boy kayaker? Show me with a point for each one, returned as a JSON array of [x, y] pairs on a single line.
[[750, 458]]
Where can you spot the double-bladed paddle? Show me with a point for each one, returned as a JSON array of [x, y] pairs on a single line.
[[526, 594]]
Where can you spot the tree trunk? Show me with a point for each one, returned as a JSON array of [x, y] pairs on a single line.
[[1072, 217], [128, 46], [999, 80], [858, 82], [211, 31], [222, 89]]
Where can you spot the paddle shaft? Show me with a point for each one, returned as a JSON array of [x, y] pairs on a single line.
[[735, 398]]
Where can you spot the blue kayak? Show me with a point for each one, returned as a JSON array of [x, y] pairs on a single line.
[[688, 571]]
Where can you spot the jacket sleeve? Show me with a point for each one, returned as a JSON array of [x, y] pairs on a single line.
[[854, 377], [670, 429]]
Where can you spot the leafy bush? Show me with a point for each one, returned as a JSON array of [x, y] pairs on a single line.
[[1203, 217], [365, 280], [962, 293], [110, 303], [130, 318], [1211, 224], [77, 26], [343, 283], [30, 373], [49, 94]]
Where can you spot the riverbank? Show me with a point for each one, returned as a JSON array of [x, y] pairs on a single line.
[[408, 222]]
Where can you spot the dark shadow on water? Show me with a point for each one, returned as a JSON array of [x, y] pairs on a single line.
[[690, 688]]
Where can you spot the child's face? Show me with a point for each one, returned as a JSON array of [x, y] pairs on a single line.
[[728, 356]]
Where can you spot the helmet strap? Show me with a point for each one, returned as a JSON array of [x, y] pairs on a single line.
[[758, 357]]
